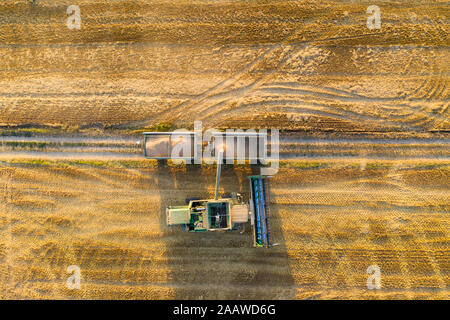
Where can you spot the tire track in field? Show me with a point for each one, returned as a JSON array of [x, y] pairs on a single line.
[[439, 92], [298, 106], [354, 98], [195, 105], [216, 88], [431, 94], [209, 93], [329, 90], [202, 105], [433, 89], [342, 96]]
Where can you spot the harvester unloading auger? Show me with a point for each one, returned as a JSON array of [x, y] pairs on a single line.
[[221, 213]]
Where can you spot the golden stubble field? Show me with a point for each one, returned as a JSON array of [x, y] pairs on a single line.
[[286, 64], [331, 219], [308, 66]]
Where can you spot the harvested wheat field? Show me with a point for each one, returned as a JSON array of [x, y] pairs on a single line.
[[331, 220], [285, 64], [364, 124]]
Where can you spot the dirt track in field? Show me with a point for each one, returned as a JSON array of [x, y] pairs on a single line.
[[290, 147]]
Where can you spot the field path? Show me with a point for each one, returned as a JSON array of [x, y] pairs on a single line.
[[291, 147]]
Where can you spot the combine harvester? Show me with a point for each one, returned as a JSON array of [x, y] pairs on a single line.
[[220, 213]]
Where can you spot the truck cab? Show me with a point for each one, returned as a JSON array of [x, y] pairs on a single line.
[[208, 215]]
